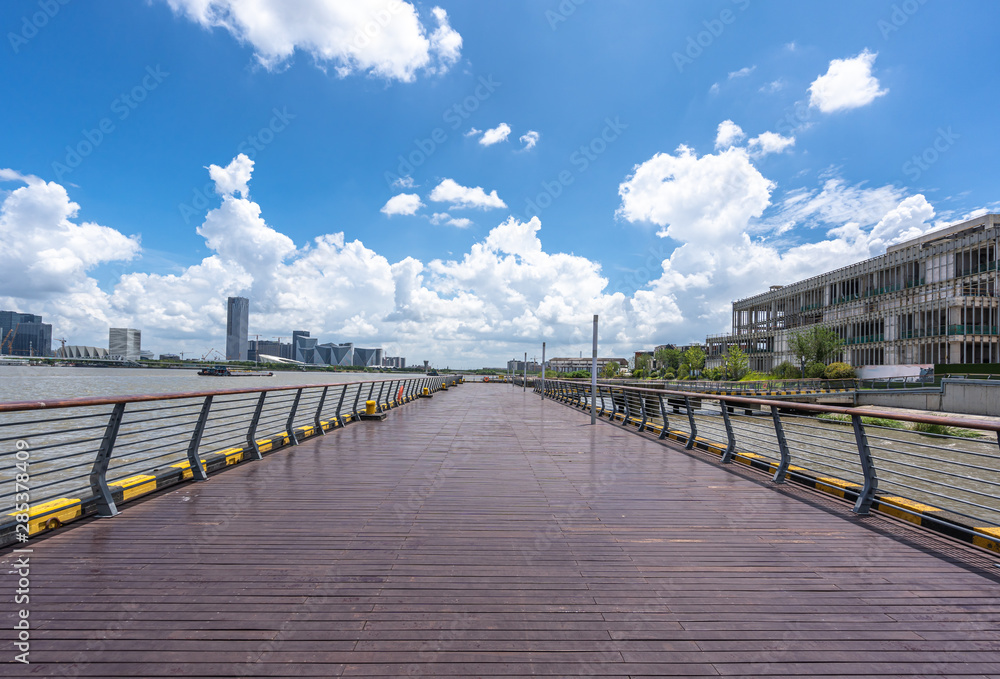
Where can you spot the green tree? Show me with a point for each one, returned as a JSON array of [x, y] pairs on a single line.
[[643, 362], [695, 358], [668, 357], [818, 344], [735, 363], [610, 369]]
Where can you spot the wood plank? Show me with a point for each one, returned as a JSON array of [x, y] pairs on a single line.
[[486, 533]]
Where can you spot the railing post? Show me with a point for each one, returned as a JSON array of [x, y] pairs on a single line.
[[642, 410], [252, 429], [197, 470], [779, 432], [340, 404], [727, 456], [318, 420], [378, 399], [99, 472], [694, 428], [867, 493], [291, 419], [357, 397], [663, 414], [628, 411]]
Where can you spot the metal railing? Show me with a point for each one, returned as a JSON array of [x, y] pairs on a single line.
[[939, 472], [729, 387], [61, 460]]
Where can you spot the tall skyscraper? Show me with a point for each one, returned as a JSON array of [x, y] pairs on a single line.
[[125, 342], [24, 334], [237, 328]]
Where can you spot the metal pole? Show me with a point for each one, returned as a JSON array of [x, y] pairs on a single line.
[[543, 371], [593, 378], [525, 385]]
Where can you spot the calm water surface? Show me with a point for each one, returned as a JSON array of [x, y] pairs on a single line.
[[38, 383]]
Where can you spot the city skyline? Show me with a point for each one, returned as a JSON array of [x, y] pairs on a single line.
[[648, 162]]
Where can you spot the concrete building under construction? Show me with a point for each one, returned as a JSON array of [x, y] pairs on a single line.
[[930, 300]]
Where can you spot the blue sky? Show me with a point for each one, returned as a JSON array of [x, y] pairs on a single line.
[[675, 156]]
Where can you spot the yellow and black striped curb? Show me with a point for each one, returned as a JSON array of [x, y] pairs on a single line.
[[789, 392], [55, 513], [932, 518]]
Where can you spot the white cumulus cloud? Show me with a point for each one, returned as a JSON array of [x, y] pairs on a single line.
[[445, 218], [729, 133], [711, 205], [461, 197], [529, 139], [232, 178], [495, 135], [704, 200], [769, 142], [402, 204], [385, 38], [847, 84]]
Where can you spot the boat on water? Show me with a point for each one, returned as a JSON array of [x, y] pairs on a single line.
[[224, 371], [432, 373]]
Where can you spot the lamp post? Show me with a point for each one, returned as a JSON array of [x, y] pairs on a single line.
[[543, 371], [593, 378]]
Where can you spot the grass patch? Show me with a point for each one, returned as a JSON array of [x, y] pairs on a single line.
[[918, 427]]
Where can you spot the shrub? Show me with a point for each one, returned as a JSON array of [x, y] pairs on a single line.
[[786, 370], [669, 374], [815, 370], [754, 376], [838, 371], [713, 374]]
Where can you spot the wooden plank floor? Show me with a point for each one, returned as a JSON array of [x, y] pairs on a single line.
[[483, 533]]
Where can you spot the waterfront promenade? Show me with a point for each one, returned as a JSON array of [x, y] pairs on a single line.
[[486, 533]]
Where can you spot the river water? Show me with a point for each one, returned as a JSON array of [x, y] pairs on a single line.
[[39, 383]]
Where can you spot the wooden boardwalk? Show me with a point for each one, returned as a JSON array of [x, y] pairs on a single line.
[[484, 533]]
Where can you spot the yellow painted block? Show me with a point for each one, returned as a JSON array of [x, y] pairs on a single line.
[[307, 431], [59, 511], [186, 466], [992, 543], [233, 456], [833, 486], [889, 504], [135, 486]]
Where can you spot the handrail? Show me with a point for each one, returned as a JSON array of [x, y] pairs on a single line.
[[88, 459], [937, 478], [16, 406]]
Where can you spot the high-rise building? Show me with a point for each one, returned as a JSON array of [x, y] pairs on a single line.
[[298, 337], [24, 334], [237, 328], [125, 343]]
